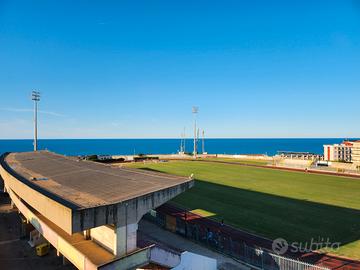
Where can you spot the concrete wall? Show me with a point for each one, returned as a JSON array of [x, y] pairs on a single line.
[[117, 240], [131, 237], [52, 210], [295, 163], [104, 236], [131, 261], [127, 212], [255, 157], [165, 257], [192, 261], [356, 153], [64, 247], [343, 166]]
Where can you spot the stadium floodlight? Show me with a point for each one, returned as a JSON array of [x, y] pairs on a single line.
[[203, 141], [195, 110], [35, 96]]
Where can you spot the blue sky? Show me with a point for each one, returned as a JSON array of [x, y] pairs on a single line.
[[134, 69]]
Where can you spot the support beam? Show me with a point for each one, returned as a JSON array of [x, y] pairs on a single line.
[[131, 237], [87, 234], [126, 238], [119, 240], [12, 204]]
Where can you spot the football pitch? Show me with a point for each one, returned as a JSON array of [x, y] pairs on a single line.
[[295, 206]]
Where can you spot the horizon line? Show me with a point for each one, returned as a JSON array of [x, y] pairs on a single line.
[[178, 138]]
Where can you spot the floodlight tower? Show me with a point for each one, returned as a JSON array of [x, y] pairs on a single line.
[[184, 140], [203, 141], [35, 96], [197, 138], [183, 144], [195, 110]]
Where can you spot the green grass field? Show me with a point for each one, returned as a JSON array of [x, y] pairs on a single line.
[[238, 160], [292, 205]]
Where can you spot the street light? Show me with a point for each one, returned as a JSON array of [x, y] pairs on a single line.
[[195, 110], [35, 96]]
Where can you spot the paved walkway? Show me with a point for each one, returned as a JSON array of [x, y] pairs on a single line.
[[177, 242]]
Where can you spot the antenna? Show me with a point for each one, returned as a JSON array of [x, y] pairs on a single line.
[[35, 96], [182, 143], [183, 138], [203, 141], [184, 147], [195, 110], [197, 140]]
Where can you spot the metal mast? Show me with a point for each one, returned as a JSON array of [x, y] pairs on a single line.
[[181, 143], [203, 141], [197, 139], [195, 111], [35, 96], [184, 142]]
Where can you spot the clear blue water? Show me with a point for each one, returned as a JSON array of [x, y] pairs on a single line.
[[168, 146]]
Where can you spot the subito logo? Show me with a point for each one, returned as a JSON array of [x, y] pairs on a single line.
[[280, 246]]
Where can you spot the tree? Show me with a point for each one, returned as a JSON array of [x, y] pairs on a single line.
[[93, 157]]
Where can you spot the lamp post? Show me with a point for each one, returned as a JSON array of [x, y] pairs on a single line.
[[35, 96], [195, 110], [203, 142]]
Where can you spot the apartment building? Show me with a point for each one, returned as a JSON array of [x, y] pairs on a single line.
[[356, 153], [339, 152]]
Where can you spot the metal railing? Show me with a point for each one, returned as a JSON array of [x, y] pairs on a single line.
[[215, 239]]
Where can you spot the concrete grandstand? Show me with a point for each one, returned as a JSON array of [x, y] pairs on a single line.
[[88, 211]]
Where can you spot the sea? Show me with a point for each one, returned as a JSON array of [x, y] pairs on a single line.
[[77, 147]]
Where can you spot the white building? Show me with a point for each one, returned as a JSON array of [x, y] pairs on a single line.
[[339, 152], [356, 152], [104, 157]]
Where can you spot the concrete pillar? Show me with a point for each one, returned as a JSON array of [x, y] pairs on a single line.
[[131, 237], [65, 261], [119, 241], [12, 204], [87, 235], [126, 238]]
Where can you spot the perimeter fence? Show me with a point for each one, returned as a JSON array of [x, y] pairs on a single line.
[[197, 229]]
